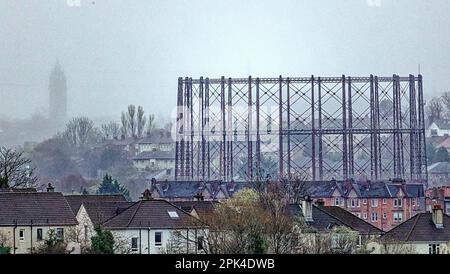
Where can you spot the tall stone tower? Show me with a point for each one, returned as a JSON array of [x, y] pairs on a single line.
[[58, 96]]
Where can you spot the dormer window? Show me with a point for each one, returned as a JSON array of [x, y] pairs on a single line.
[[398, 202], [173, 214]]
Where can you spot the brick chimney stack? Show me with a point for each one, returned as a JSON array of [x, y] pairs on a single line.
[[307, 208], [50, 188], [438, 216]]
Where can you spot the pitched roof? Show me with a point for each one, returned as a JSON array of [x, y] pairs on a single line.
[[75, 201], [153, 213], [157, 155], [99, 212], [325, 218], [201, 207], [419, 228], [442, 123], [38, 208], [158, 137], [439, 167], [17, 190]]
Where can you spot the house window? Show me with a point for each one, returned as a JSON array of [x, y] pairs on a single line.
[[200, 241], [398, 202], [374, 217], [354, 203], [60, 234], [374, 202], [434, 248], [365, 216], [85, 232], [134, 244], [158, 238], [413, 201], [398, 217], [337, 201], [39, 235], [384, 201], [384, 215], [22, 235], [447, 208], [364, 201], [173, 214]]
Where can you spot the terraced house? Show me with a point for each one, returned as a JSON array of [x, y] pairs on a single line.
[[27, 217]]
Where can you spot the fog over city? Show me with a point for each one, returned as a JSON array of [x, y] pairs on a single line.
[[115, 53]]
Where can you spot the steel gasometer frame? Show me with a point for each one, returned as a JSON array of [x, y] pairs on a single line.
[[315, 128]]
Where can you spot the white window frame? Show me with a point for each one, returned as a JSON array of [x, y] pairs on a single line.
[[384, 201], [364, 201], [160, 238], [137, 244], [337, 201], [365, 215], [372, 215], [374, 203], [37, 234], [384, 215], [22, 237]]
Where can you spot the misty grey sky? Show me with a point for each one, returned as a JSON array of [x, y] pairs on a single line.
[[117, 52]]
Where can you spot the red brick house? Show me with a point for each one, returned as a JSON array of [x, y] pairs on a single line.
[[438, 196], [383, 204]]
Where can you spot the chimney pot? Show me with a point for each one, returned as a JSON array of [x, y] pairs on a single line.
[[146, 195], [50, 188]]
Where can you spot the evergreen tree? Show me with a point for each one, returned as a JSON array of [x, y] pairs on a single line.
[[102, 242], [112, 186]]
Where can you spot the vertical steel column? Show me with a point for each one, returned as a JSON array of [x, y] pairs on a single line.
[[413, 127], [350, 129], [191, 121], [208, 130], [230, 130], [344, 133], [223, 154], [249, 131], [186, 110], [373, 136], [201, 131], [377, 126], [422, 150], [400, 127], [179, 128], [395, 116], [280, 127], [313, 132], [258, 137], [288, 109], [319, 82]]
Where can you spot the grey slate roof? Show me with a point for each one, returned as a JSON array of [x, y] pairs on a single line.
[[151, 213], [157, 155], [38, 208], [75, 201], [439, 168], [99, 212], [17, 190], [419, 228], [158, 137], [327, 217], [317, 189], [442, 123], [201, 207]]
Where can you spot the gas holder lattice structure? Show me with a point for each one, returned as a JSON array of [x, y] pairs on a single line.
[[314, 128]]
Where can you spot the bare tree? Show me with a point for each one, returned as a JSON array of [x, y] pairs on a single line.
[[141, 121], [110, 130], [445, 99], [15, 169], [125, 126], [79, 132], [434, 110], [151, 123], [131, 120]]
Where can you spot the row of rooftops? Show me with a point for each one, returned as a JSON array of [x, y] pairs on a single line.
[[159, 136], [27, 207], [315, 189]]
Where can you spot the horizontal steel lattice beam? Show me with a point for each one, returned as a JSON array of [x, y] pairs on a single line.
[[313, 128]]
